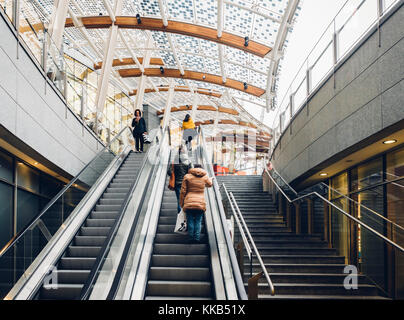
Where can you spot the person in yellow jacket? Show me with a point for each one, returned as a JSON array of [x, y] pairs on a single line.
[[188, 126]]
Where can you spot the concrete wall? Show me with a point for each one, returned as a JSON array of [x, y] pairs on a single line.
[[36, 118], [368, 97]]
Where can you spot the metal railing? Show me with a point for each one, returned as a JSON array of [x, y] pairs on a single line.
[[378, 234], [392, 223], [222, 216], [60, 194], [88, 286], [235, 212], [74, 81]]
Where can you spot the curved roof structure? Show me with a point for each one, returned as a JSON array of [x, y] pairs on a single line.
[[212, 52]]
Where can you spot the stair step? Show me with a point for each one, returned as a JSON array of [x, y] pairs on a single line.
[[176, 298], [172, 238], [179, 273], [298, 251], [82, 263], [318, 297], [73, 276], [76, 251], [104, 215], [100, 222], [89, 240], [181, 249], [302, 259], [296, 267], [160, 260], [179, 288], [107, 207], [318, 289], [63, 292], [95, 231]]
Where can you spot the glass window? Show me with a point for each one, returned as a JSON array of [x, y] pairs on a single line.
[[6, 213], [27, 177], [28, 207], [50, 186], [395, 165], [366, 175], [6, 167]]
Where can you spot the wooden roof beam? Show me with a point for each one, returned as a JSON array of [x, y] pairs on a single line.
[[193, 75], [177, 27]]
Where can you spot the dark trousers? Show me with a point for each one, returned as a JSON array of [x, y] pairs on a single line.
[[194, 223], [139, 141], [177, 193]]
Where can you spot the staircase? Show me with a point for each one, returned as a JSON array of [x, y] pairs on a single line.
[[77, 261], [178, 270], [301, 266]]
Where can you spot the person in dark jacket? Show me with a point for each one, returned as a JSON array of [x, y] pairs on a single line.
[[181, 166], [192, 199], [139, 128]]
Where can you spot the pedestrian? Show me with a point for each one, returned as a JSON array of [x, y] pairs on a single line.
[[192, 199], [139, 129], [188, 126], [180, 165]]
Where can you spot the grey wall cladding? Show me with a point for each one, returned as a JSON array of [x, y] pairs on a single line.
[[39, 119], [368, 97]]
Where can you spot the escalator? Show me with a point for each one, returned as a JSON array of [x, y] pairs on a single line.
[[74, 267], [178, 270], [118, 243]]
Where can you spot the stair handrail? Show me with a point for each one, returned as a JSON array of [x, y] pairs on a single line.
[[284, 181], [261, 262], [314, 193], [363, 206], [233, 260], [36, 219], [243, 236], [86, 290]]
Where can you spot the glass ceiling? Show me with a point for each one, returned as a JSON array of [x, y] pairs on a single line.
[[260, 20]]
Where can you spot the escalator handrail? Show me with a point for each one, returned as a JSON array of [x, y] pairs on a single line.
[[120, 269], [86, 290], [385, 239], [233, 260], [35, 220]]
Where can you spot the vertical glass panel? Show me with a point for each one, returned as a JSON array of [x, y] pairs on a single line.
[[367, 175], [6, 213], [353, 22], [395, 165], [6, 167], [28, 207], [27, 177], [339, 222], [49, 186]]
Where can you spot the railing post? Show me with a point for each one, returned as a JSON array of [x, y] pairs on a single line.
[[288, 217], [16, 15], [253, 286], [281, 205], [310, 214], [298, 217], [240, 256], [326, 234]]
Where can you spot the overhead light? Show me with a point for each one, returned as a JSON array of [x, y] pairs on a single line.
[[203, 77], [35, 163], [323, 174], [161, 70], [245, 85], [139, 20], [391, 141], [246, 40]]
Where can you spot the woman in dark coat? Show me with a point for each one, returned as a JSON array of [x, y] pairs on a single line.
[[181, 166], [139, 128]]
